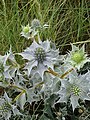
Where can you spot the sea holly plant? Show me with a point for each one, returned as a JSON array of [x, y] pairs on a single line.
[[40, 56], [77, 57], [46, 77], [29, 32], [6, 108], [74, 88]]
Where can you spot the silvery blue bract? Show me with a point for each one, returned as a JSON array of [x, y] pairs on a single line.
[[40, 56], [12, 67], [77, 87], [42, 89]]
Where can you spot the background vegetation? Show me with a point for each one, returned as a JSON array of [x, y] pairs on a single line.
[[69, 21]]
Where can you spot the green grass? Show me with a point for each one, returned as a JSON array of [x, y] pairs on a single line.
[[69, 21]]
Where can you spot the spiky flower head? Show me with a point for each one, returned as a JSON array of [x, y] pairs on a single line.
[[26, 31], [35, 24], [77, 57], [40, 56], [75, 88]]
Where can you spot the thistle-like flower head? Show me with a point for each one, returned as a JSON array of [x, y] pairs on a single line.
[[77, 57], [75, 88], [40, 55], [35, 24], [26, 31]]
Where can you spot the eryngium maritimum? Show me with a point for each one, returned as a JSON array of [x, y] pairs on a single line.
[[40, 55], [77, 57], [26, 31], [35, 24], [77, 87]]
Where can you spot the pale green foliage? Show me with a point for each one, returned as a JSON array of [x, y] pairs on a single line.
[[27, 32], [77, 57]]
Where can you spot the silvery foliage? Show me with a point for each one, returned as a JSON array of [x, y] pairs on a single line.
[[75, 87], [12, 67], [41, 76], [40, 56], [6, 108]]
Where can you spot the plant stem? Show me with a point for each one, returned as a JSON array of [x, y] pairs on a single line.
[[18, 96], [66, 73], [23, 91], [60, 76], [17, 87]]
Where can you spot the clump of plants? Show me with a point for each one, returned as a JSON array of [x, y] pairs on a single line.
[[46, 85]]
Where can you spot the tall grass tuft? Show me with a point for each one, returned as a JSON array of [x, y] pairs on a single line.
[[69, 21]]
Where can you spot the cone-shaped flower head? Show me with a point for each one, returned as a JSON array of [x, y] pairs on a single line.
[[28, 32], [40, 55], [77, 57], [74, 88], [26, 29], [35, 24]]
